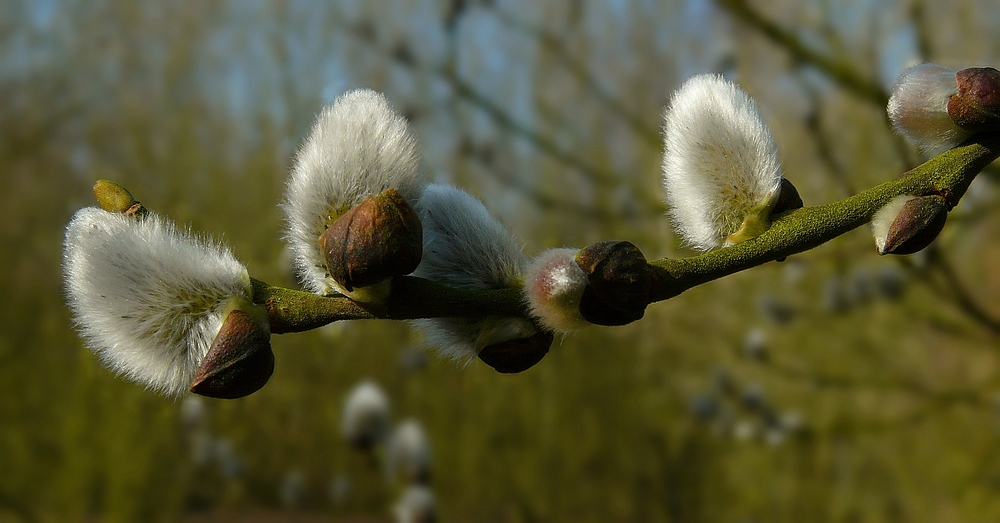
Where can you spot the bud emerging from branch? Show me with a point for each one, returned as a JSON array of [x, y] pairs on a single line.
[[619, 283], [112, 197], [358, 148], [788, 198], [149, 299], [365, 420], [919, 108], [375, 240], [720, 164], [907, 224], [554, 286], [465, 247], [240, 360], [976, 105], [517, 354]]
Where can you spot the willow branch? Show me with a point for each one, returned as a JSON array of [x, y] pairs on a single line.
[[411, 298], [803, 229], [797, 231]]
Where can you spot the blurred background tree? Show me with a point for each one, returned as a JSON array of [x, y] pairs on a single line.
[[836, 386]]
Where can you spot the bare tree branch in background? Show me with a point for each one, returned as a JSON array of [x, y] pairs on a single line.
[[844, 73], [840, 69], [554, 43], [466, 92]]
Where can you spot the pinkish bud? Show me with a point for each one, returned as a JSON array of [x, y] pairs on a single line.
[[907, 224], [976, 105], [554, 285], [379, 238], [619, 283]]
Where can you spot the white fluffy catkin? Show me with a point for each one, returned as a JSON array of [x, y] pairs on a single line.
[[918, 108], [147, 298], [358, 147], [720, 161], [465, 247]]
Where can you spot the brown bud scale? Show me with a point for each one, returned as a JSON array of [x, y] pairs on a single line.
[[788, 198], [379, 238], [976, 105], [917, 225], [513, 356], [618, 283], [239, 362]]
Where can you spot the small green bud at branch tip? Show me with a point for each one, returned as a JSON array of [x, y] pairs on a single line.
[[112, 197]]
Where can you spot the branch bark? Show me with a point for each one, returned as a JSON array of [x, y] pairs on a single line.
[[797, 231]]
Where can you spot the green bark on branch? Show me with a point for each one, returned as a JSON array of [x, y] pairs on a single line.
[[797, 231]]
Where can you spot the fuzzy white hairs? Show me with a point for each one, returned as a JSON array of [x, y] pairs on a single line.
[[147, 298], [465, 247], [720, 163], [554, 287], [918, 108], [358, 147]]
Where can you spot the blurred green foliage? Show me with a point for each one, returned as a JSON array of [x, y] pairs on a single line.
[[197, 108]]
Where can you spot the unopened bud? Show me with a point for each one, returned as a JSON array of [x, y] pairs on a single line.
[[788, 198], [976, 105], [554, 285], [619, 282], [112, 197], [513, 356], [240, 360], [919, 108], [379, 238], [907, 224]]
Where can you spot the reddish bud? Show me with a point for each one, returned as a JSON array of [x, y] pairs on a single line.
[[240, 360], [618, 283], [513, 356], [976, 105], [379, 238], [908, 224]]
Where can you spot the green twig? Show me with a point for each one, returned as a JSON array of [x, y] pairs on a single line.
[[411, 298], [795, 232], [806, 228]]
